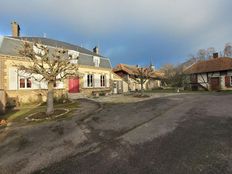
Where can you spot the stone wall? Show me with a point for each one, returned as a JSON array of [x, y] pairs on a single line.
[[17, 97]]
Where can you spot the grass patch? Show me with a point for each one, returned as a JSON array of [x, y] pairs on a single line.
[[225, 92], [19, 114]]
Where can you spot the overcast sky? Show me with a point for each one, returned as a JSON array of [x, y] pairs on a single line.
[[127, 31]]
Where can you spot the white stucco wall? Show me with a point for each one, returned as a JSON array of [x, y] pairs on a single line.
[[125, 87], [222, 82]]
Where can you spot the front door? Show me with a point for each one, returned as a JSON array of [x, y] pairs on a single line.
[[74, 85], [215, 83]]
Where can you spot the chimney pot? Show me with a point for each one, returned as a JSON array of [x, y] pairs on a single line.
[[15, 29], [215, 55], [96, 50]]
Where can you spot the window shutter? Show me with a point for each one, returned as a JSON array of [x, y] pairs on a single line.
[[85, 81], [13, 79], [107, 80], [227, 81]]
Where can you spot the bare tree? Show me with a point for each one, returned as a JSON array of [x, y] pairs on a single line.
[[174, 76], [228, 50], [143, 74], [202, 54], [50, 65], [210, 52], [169, 73]]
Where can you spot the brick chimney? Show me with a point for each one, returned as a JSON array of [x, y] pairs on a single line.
[[215, 55], [96, 50], [15, 29]]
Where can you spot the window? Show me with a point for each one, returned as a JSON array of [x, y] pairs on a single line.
[[28, 82], [102, 79], [25, 82], [230, 80], [96, 61], [22, 83], [90, 80], [73, 56]]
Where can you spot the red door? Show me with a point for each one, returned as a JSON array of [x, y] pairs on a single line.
[[74, 85]]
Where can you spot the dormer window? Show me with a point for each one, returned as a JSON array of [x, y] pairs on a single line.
[[96, 61], [73, 56]]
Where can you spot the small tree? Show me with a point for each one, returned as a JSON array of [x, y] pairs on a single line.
[[169, 73], [143, 74], [51, 65], [174, 76], [202, 54], [210, 52]]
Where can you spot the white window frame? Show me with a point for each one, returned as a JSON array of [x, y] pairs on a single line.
[[230, 80]]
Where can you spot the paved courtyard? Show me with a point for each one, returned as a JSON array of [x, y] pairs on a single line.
[[179, 134]]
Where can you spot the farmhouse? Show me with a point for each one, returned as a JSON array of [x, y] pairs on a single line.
[[130, 74], [95, 70], [214, 74]]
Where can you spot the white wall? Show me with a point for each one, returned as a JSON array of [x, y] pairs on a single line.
[[202, 79], [222, 82], [125, 87]]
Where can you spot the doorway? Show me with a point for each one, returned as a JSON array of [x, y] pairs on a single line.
[[215, 83], [74, 85]]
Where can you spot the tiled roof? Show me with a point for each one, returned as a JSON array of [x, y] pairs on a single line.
[[133, 70], [212, 65], [11, 46]]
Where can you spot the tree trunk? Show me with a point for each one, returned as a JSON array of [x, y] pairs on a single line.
[[50, 104], [142, 90]]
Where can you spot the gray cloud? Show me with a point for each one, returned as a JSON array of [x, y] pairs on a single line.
[[198, 23]]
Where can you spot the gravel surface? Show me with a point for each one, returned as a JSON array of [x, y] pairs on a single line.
[[188, 134]]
